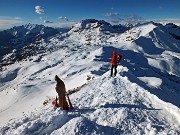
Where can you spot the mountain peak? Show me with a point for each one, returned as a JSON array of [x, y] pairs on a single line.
[[31, 26], [86, 21], [172, 25], [97, 25], [91, 23]]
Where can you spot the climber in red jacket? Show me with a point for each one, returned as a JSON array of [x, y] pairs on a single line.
[[115, 60]]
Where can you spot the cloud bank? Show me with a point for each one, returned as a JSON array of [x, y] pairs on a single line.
[[165, 21], [46, 21], [8, 22], [61, 25], [63, 18], [116, 18]]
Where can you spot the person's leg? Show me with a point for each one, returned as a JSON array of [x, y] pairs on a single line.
[[115, 68], [112, 70]]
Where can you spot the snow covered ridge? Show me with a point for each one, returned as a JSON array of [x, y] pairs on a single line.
[[99, 24], [24, 41], [91, 31], [105, 106]]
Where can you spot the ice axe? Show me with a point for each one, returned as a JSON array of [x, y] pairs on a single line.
[[70, 104]]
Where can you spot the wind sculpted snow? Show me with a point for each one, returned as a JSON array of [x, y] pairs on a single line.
[[105, 106], [142, 99]]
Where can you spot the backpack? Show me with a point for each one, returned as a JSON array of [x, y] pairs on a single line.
[[119, 56]]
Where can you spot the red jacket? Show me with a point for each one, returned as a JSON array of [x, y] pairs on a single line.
[[115, 58]]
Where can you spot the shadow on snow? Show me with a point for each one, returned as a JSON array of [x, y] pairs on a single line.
[[129, 106], [138, 66]]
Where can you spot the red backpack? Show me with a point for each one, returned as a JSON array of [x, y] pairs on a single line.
[[119, 56]]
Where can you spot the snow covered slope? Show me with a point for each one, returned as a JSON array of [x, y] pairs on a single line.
[[91, 31], [20, 42], [142, 99], [105, 106]]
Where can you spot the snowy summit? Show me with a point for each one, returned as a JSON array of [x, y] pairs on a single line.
[[143, 98]]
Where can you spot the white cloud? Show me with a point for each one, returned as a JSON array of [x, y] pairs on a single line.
[[116, 18], [113, 18], [46, 21], [61, 25], [39, 10], [8, 22], [17, 18], [133, 19], [165, 21], [63, 18], [111, 14]]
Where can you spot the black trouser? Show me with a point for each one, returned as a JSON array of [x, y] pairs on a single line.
[[115, 68]]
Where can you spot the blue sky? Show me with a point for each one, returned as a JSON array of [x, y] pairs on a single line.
[[67, 12]]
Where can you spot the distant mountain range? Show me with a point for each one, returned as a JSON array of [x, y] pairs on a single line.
[[22, 37], [23, 41]]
